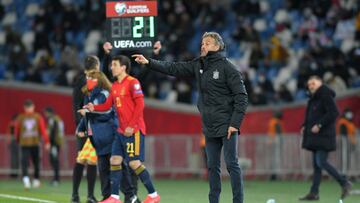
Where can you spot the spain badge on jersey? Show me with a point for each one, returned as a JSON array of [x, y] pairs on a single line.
[[137, 89]]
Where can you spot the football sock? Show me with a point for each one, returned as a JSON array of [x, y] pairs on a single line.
[[76, 179], [145, 178], [153, 195], [91, 178], [115, 196], [116, 175]]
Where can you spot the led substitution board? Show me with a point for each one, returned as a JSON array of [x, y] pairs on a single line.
[[131, 24]]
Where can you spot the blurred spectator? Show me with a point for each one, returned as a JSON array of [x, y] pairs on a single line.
[[275, 131], [183, 88], [13, 148], [266, 86], [357, 27], [278, 54], [17, 59], [2, 11], [258, 96], [284, 95], [346, 129], [257, 56], [43, 68], [202, 144], [334, 82]]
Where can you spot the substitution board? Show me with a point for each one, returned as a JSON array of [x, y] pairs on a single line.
[[131, 24]]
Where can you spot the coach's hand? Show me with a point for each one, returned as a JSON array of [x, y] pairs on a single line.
[[140, 59], [82, 112], [315, 129], [107, 47], [129, 131], [231, 130], [157, 48], [302, 130], [89, 106], [81, 134]]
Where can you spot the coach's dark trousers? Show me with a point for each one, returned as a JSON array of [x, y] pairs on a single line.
[[213, 151], [320, 162]]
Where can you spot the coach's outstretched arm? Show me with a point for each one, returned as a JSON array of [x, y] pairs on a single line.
[[169, 68]]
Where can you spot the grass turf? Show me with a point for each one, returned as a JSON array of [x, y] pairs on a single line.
[[188, 191]]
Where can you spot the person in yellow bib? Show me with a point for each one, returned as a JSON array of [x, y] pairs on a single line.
[[30, 127]]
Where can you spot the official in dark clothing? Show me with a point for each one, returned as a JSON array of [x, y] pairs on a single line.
[[90, 64], [222, 104], [319, 135], [55, 127], [101, 126]]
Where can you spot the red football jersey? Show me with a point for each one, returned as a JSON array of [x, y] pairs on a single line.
[[128, 100]]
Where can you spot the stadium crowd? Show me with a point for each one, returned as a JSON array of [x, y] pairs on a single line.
[[277, 44]]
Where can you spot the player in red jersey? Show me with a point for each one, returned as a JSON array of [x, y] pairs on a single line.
[[128, 99]]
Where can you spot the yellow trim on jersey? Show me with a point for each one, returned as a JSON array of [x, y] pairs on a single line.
[[137, 143]]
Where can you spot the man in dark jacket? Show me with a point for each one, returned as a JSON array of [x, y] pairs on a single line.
[[222, 104], [319, 135]]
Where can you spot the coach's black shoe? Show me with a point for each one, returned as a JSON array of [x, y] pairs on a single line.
[[133, 199], [310, 197], [346, 189], [75, 199], [105, 197], [91, 200]]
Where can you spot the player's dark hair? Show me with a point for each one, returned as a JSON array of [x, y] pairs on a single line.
[[49, 109], [123, 60], [28, 103], [91, 62]]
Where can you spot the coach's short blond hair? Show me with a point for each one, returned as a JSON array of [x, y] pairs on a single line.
[[216, 36]]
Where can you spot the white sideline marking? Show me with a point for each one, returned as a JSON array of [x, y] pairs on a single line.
[[25, 198]]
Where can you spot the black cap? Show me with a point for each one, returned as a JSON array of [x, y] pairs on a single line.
[[49, 109], [28, 103]]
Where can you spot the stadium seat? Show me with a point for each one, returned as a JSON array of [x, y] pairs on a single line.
[[2, 38], [9, 19], [28, 40], [32, 9], [92, 42]]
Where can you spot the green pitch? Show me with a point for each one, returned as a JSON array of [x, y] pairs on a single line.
[[187, 191]]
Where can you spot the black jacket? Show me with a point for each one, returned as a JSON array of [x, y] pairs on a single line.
[[321, 110], [223, 98], [78, 96]]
